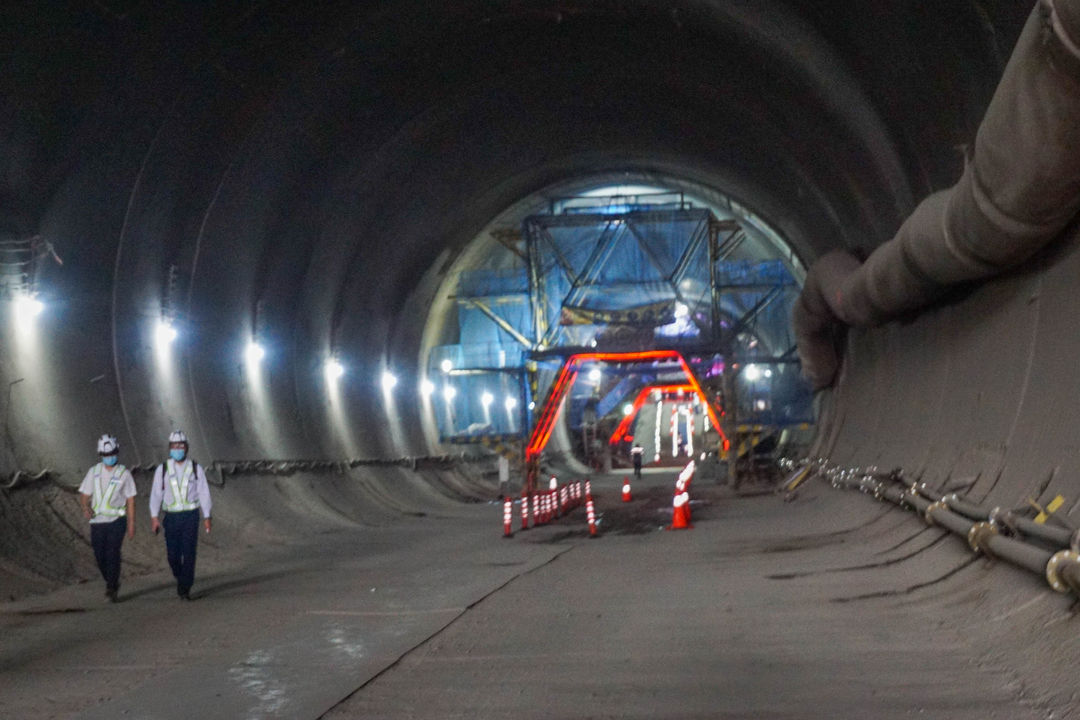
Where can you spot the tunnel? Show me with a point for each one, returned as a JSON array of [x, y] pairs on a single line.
[[242, 219]]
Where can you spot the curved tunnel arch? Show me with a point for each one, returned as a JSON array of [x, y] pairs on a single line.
[[304, 184], [314, 172]]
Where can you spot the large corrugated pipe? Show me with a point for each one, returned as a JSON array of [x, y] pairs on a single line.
[[1019, 190]]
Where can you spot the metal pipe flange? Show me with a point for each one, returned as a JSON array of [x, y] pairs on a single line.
[[979, 535], [1053, 568], [937, 505]]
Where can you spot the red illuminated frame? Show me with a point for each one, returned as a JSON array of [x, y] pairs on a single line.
[[569, 372], [624, 425]]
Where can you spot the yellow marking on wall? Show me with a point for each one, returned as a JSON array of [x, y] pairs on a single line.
[[1046, 512]]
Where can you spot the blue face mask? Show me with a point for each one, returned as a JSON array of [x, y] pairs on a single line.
[[177, 454], [110, 460]]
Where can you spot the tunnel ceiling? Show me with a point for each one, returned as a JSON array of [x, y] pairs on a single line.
[[304, 174]]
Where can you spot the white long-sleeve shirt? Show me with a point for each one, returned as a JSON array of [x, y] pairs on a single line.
[[197, 492]]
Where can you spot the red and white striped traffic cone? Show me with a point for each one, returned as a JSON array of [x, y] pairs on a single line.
[[686, 476], [626, 496], [591, 512], [508, 517], [524, 510], [588, 488]]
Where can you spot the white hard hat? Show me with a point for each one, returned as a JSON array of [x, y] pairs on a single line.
[[177, 436], [107, 445]]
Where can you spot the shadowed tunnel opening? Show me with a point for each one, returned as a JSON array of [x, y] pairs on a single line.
[[308, 177]]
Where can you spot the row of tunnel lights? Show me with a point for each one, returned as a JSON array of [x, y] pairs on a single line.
[[28, 307], [254, 354]]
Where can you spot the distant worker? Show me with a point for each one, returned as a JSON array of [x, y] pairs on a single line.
[[636, 454], [181, 490], [107, 497]]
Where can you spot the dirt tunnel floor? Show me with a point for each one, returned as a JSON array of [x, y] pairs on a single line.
[[828, 607]]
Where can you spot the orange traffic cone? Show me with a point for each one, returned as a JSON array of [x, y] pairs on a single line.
[[626, 497], [680, 512]]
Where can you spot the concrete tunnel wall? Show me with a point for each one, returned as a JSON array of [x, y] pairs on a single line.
[[311, 172]]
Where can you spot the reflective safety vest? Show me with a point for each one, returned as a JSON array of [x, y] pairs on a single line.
[[103, 496], [179, 486]]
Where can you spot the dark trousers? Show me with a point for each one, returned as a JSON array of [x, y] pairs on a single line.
[[181, 539], [106, 539], [637, 466]]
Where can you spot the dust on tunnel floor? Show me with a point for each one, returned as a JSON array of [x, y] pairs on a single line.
[[443, 618], [674, 624]]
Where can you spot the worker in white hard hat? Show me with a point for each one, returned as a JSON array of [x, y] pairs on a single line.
[[181, 491], [637, 453], [107, 497]]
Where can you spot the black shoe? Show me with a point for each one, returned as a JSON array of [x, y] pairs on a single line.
[[184, 594], [111, 594]]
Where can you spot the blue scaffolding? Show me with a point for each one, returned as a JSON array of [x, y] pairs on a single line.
[[628, 278]]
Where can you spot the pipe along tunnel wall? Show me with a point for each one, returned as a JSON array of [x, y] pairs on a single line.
[[306, 175]]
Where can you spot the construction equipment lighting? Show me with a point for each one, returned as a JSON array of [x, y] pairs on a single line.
[[511, 403], [486, 399], [254, 353], [542, 431], [427, 388], [446, 366], [389, 381], [595, 375], [334, 369], [449, 393], [628, 409], [752, 372]]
